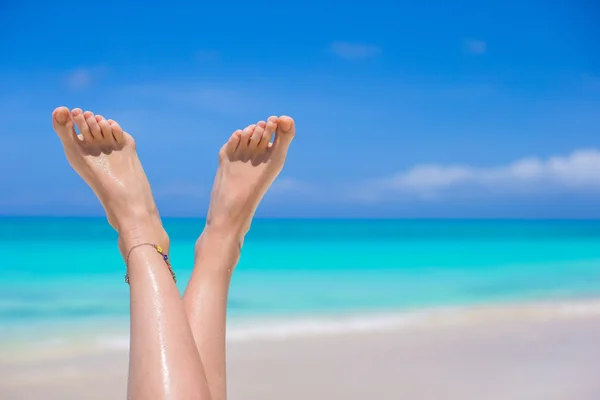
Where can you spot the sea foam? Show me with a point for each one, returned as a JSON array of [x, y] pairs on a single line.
[[282, 329]]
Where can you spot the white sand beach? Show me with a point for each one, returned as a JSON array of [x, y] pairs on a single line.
[[545, 352]]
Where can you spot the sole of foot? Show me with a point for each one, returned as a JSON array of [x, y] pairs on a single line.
[[249, 163], [106, 159]]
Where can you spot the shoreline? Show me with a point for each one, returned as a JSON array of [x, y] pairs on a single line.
[[89, 340], [545, 351]]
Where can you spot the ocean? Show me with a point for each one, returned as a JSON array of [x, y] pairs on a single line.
[[64, 276]]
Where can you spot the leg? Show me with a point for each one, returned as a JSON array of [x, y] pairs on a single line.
[[248, 165], [164, 361]]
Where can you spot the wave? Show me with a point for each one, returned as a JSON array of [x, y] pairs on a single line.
[[278, 330]]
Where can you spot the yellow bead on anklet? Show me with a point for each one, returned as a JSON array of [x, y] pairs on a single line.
[[158, 249]]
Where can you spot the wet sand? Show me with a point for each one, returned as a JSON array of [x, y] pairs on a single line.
[[506, 356]]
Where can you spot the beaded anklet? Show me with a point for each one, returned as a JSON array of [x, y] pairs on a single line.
[[158, 249]]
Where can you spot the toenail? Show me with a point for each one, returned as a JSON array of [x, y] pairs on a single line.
[[87, 114], [60, 118], [76, 112]]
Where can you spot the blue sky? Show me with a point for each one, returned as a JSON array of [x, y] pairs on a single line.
[[436, 109]]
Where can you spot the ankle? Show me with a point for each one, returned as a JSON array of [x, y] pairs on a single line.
[[216, 237], [133, 235], [227, 227], [223, 229]]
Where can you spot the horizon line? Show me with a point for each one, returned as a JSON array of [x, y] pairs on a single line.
[[97, 217]]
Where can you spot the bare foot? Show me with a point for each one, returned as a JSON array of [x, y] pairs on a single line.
[[248, 165], [105, 157]]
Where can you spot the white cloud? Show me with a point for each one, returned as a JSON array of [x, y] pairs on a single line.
[[205, 97], [579, 170], [83, 78], [291, 190], [287, 185], [475, 46], [354, 51], [79, 79]]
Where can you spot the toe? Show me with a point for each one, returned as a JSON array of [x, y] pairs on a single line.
[[117, 132], [90, 120], [106, 129], [63, 124], [286, 130], [286, 125], [233, 142], [84, 129], [245, 138], [242, 149], [270, 128], [256, 136]]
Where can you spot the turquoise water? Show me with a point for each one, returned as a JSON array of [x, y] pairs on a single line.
[[68, 272]]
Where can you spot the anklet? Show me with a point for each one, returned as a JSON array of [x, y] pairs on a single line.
[[159, 250]]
